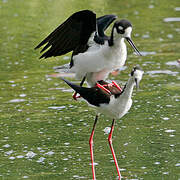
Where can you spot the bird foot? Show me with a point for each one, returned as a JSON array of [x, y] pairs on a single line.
[[115, 84], [75, 96], [103, 88], [110, 85]]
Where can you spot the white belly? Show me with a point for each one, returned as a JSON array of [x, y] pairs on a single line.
[[117, 108], [99, 59]]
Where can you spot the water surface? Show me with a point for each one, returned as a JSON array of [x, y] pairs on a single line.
[[44, 133]]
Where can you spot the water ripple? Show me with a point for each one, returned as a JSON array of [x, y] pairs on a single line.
[[172, 19]]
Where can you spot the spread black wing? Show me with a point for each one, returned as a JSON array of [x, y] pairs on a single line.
[[94, 95], [103, 23], [72, 35]]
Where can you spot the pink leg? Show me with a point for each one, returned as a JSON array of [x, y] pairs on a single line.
[[112, 149], [113, 82], [91, 148], [75, 94], [102, 87]]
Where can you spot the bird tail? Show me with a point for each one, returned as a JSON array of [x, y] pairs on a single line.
[[94, 96], [83, 91]]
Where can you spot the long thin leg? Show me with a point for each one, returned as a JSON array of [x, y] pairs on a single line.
[[102, 87], [81, 83], [115, 84], [112, 149], [91, 147]]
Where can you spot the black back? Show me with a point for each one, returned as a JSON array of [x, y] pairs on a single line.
[[95, 95]]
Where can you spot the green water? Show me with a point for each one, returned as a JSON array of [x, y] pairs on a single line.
[[40, 142]]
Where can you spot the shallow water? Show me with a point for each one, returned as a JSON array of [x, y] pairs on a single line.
[[172, 19], [44, 133]]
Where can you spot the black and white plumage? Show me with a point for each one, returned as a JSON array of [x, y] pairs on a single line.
[[94, 54], [109, 100], [114, 102]]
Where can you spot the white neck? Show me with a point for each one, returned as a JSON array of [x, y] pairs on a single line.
[[118, 40], [129, 87]]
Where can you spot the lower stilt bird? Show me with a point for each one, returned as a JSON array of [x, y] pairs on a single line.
[[111, 100]]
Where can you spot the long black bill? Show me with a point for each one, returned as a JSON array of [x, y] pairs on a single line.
[[137, 84], [129, 40]]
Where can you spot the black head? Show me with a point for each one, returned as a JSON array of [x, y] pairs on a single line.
[[124, 29], [137, 74], [122, 25], [135, 69]]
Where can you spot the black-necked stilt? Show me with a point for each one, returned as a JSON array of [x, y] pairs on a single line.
[[110, 100], [94, 55]]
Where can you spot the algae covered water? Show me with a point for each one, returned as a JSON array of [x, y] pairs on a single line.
[[44, 133]]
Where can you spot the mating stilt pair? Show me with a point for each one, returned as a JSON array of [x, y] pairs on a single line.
[[96, 55]]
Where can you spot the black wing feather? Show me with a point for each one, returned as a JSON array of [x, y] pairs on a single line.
[[94, 95], [74, 32], [103, 23]]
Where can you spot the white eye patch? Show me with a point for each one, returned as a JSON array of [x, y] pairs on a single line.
[[138, 74], [120, 27]]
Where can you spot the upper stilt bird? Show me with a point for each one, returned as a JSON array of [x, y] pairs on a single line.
[[111, 100], [94, 54]]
